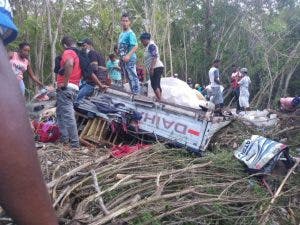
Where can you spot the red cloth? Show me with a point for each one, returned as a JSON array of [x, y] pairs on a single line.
[[76, 73], [235, 78], [121, 151], [141, 73], [46, 132]]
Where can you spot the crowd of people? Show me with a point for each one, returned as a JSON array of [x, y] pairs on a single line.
[[240, 82], [74, 79], [80, 68]]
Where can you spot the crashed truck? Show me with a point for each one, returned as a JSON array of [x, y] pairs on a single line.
[[183, 124]]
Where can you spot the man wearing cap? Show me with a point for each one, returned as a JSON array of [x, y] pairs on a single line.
[[127, 46], [154, 66], [23, 193], [98, 77], [244, 89]]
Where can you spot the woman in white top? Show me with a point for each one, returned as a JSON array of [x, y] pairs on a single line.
[[244, 89]]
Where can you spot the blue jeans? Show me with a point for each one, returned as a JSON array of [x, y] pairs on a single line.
[[130, 68], [66, 116], [85, 90], [236, 92], [22, 87]]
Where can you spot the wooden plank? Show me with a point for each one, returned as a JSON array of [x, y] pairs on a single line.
[[86, 129]]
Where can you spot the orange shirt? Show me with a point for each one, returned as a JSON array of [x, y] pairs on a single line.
[[76, 72]]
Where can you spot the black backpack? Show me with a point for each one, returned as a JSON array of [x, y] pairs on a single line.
[[84, 62], [57, 69]]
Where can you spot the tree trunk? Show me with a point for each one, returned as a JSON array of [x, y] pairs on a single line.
[[169, 40], [153, 20], [185, 57], [292, 70], [207, 25], [147, 19], [53, 35], [112, 43]]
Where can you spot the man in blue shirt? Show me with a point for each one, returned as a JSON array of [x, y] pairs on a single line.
[[23, 193], [127, 46]]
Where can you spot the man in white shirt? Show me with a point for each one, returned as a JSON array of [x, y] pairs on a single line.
[[214, 78]]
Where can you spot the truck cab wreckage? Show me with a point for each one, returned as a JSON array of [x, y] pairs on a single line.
[[101, 117]]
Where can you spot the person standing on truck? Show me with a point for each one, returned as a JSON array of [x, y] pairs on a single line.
[[67, 90], [153, 64], [215, 84], [114, 70], [23, 193], [20, 64], [127, 46], [235, 78]]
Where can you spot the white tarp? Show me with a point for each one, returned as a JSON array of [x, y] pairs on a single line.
[[257, 118], [178, 92]]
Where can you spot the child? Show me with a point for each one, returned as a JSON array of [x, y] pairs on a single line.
[[114, 70], [244, 89]]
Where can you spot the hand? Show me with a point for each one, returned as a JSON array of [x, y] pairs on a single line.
[[104, 87], [151, 71], [20, 77], [126, 58]]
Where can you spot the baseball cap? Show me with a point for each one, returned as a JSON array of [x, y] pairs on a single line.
[[85, 41], [8, 30], [244, 70]]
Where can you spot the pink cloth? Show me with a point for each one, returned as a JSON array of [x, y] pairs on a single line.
[[286, 104], [19, 65], [235, 78]]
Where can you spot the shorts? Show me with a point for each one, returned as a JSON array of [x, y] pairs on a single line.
[[155, 78]]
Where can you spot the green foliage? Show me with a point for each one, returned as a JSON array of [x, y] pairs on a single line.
[[240, 32]]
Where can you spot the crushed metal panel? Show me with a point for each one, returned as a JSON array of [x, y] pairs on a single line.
[[211, 129], [178, 128]]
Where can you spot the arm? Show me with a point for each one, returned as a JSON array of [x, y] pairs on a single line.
[[152, 65], [102, 68], [23, 193], [153, 52], [33, 77], [98, 82], [132, 42], [241, 81], [216, 77], [118, 67], [128, 56], [69, 64]]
